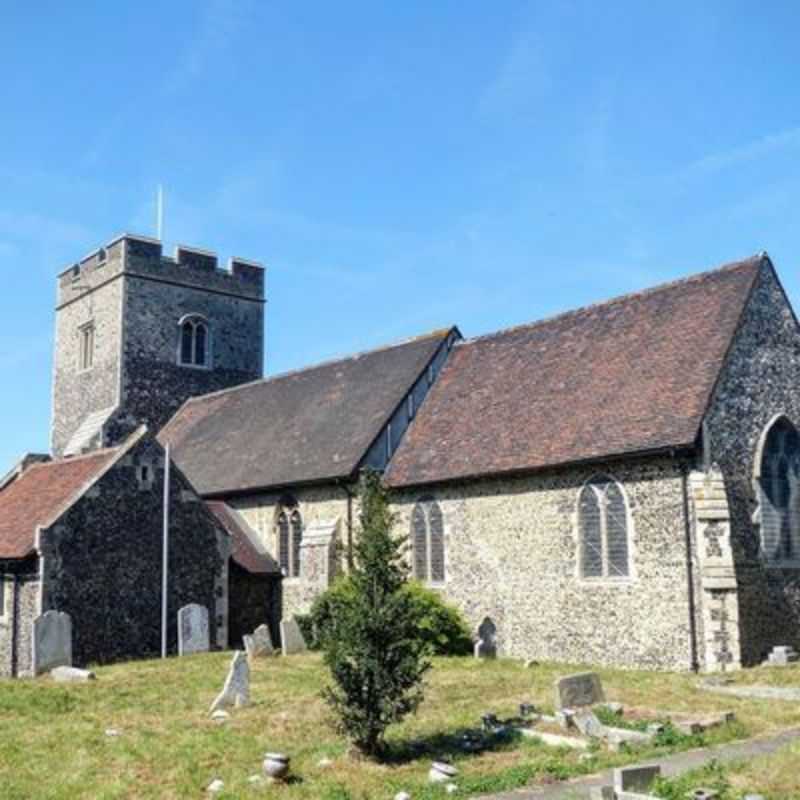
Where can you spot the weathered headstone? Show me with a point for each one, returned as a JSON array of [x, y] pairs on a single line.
[[579, 690], [236, 691], [259, 643], [636, 779], [486, 646], [588, 724], [193, 634], [52, 641], [292, 639]]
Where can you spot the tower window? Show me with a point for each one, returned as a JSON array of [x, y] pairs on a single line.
[[86, 347], [194, 350]]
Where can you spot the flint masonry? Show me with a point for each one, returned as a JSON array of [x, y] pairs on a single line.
[[619, 484]]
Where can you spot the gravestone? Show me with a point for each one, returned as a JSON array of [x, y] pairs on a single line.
[[52, 641], [292, 637], [486, 646], [635, 779], [236, 691], [259, 643], [193, 630], [578, 690]]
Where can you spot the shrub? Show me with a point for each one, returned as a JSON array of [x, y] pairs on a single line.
[[441, 626], [372, 644]]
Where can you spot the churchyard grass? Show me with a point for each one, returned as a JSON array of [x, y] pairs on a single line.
[[53, 741]]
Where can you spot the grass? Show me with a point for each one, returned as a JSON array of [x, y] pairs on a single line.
[[53, 743]]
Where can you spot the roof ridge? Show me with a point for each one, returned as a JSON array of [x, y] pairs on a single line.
[[695, 277], [436, 333]]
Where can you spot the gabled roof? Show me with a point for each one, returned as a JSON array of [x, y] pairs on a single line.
[[41, 493], [634, 374], [244, 550], [308, 426]]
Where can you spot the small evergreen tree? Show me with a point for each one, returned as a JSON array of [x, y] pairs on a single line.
[[373, 647]]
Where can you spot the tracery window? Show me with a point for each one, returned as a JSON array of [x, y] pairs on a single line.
[[603, 530], [427, 541], [779, 492], [195, 342], [290, 537]]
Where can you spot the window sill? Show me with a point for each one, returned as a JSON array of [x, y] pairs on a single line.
[[607, 581], [794, 564], [201, 367]]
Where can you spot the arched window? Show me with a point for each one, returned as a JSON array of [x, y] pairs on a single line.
[[290, 537], [603, 530], [427, 541], [779, 492], [195, 342]]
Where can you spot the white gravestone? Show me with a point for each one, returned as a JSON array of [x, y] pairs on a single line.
[[292, 637], [193, 630], [52, 641], [259, 643], [236, 691]]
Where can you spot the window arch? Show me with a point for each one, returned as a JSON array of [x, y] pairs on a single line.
[[290, 537], [427, 541], [194, 348], [778, 482], [603, 530]]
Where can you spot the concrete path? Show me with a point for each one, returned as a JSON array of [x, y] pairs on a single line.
[[671, 765]]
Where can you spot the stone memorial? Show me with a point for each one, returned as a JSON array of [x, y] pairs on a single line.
[[71, 675], [52, 641], [259, 643], [636, 779], [579, 690], [236, 691], [193, 636], [292, 639], [486, 646]]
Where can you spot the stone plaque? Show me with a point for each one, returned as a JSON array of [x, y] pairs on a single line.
[[579, 690], [292, 637], [193, 630], [236, 691], [52, 641], [259, 643]]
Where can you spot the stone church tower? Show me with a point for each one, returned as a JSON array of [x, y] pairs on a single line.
[[137, 333]]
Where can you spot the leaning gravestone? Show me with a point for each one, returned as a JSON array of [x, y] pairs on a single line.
[[579, 690], [292, 637], [52, 641], [259, 643], [236, 691], [193, 630], [486, 646]]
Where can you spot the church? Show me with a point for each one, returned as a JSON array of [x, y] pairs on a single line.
[[616, 485]]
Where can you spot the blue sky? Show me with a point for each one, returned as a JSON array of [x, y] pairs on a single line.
[[397, 166]]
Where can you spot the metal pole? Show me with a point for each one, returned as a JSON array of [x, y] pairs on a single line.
[[165, 556]]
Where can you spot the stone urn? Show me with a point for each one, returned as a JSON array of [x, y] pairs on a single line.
[[276, 766], [441, 772]]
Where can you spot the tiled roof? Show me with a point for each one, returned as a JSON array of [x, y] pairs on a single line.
[[312, 425], [40, 494], [244, 552], [634, 374]]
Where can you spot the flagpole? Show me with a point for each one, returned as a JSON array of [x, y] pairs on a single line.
[[165, 555]]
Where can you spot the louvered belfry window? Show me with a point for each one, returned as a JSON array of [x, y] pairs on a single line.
[[290, 537], [779, 489], [603, 530], [427, 541]]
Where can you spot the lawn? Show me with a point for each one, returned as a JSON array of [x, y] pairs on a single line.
[[53, 742]]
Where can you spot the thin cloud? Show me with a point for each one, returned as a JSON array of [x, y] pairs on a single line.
[[758, 148], [522, 78]]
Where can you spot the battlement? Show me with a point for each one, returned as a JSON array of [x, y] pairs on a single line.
[[143, 256]]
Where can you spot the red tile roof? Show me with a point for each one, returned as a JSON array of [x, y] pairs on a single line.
[[633, 374], [244, 552], [40, 494]]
